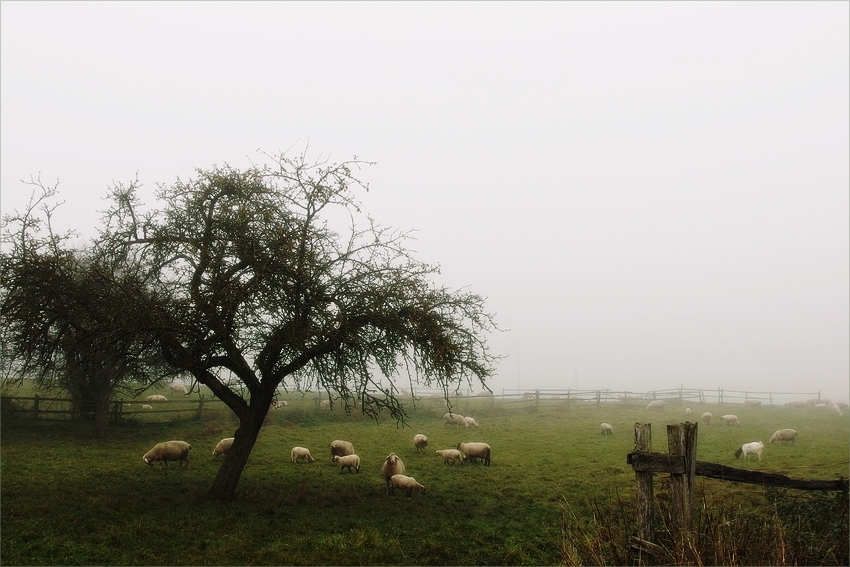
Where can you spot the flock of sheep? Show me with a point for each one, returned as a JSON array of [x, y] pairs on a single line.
[[342, 454]]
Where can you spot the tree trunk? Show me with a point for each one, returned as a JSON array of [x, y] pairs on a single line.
[[101, 414], [224, 485]]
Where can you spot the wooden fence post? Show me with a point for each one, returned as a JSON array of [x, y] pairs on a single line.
[[645, 499], [536, 400], [682, 441], [35, 407], [201, 407]]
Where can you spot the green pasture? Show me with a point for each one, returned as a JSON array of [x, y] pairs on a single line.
[[67, 498]]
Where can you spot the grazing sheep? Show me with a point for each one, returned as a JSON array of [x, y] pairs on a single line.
[[325, 404], [450, 456], [747, 449], [454, 419], [470, 422], [223, 447], [146, 406], [821, 407], [406, 483], [687, 411], [156, 398], [833, 408], [655, 404], [796, 404], [474, 451], [277, 404], [606, 429], [168, 451], [706, 417], [299, 453], [179, 389], [782, 435], [730, 419], [392, 466], [421, 443], [348, 461], [753, 403], [841, 405], [341, 448]]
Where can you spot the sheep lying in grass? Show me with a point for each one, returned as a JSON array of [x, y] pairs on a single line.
[[392, 466], [348, 461], [421, 443], [156, 398], [796, 404], [706, 417], [747, 449], [301, 453], [606, 429], [730, 419], [454, 419], [277, 404], [655, 404], [146, 406], [406, 483], [223, 447], [168, 451], [783, 435], [474, 451], [341, 448], [450, 456], [470, 422]]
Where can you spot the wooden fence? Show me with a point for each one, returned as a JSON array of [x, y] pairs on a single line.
[[681, 463]]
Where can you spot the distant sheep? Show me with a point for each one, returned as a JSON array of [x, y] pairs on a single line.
[[277, 404], [406, 483], [753, 403], [475, 451], [325, 404], [841, 405], [687, 411], [300, 453], [393, 465], [747, 449], [730, 419], [470, 422], [606, 429], [421, 443], [168, 451], [146, 406], [454, 419], [796, 404], [450, 456], [706, 417], [179, 389], [348, 461], [156, 398], [655, 404], [821, 407], [833, 408], [223, 447], [782, 435], [341, 449]]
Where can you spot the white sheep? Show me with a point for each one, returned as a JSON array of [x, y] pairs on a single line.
[[475, 451], [706, 417], [454, 419], [796, 404], [835, 409], [146, 406], [730, 419], [821, 407], [470, 422], [687, 411], [782, 435], [753, 403], [841, 405], [606, 429], [277, 404], [325, 404], [348, 461], [168, 451], [156, 398], [450, 456], [179, 389], [421, 443], [223, 447], [747, 449], [393, 465], [341, 448], [299, 453], [406, 483], [655, 404]]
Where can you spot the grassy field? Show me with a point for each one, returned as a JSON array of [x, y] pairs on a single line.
[[556, 488]]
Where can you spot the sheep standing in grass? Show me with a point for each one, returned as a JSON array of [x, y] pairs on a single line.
[[470, 422], [783, 435], [687, 411], [223, 447], [747, 449], [706, 417], [406, 483], [454, 419], [606, 429], [421, 443], [753, 403], [179, 389], [392, 466], [301, 453], [657, 404], [450, 456], [168, 451], [796, 404], [475, 451], [730, 419], [835, 409], [348, 461], [156, 398], [341, 448]]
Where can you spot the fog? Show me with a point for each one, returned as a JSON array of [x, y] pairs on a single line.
[[650, 195]]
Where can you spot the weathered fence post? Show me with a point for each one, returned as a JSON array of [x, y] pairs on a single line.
[[645, 500], [201, 407], [682, 441], [35, 407], [536, 400]]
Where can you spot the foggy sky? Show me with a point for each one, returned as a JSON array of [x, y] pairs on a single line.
[[649, 194]]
